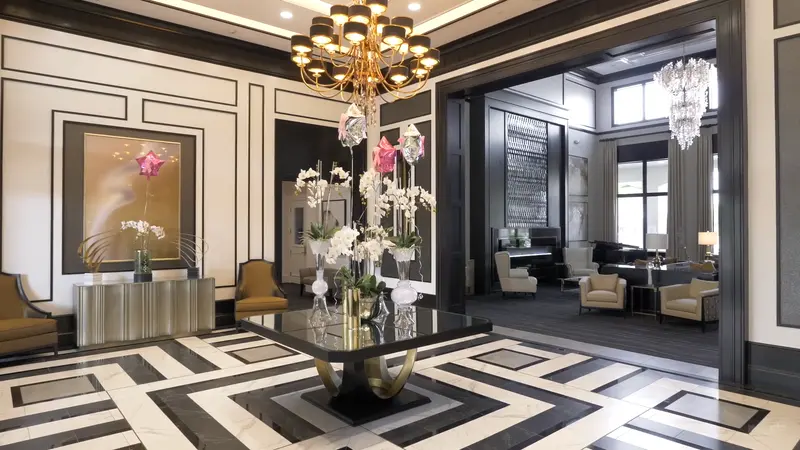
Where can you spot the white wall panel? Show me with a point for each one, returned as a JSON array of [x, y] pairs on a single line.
[[256, 164], [29, 149], [308, 105], [90, 67]]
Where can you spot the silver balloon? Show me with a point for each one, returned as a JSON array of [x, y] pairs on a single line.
[[411, 145], [352, 127]]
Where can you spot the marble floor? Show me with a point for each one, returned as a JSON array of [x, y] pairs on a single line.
[[235, 390]]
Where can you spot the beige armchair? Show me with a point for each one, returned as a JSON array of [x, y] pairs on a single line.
[[513, 280], [579, 262], [603, 292], [697, 301]]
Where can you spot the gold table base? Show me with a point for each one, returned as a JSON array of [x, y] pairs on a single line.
[[366, 378]]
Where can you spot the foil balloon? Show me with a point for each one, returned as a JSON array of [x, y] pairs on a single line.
[[412, 145], [352, 127], [149, 164], [383, 156]]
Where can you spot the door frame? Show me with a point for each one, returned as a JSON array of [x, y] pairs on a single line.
[[732, 135]]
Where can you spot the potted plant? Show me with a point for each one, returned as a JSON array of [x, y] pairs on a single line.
[[364, 290]]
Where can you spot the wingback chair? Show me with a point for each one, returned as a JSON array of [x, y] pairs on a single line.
[[23, 326], [698, 300], [603, 292], [257, 290], [513, 280], [579, 262]]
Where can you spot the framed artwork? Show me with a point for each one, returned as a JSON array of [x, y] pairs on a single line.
[[102, 188], [578, 176], [337, 214], [578, 221]]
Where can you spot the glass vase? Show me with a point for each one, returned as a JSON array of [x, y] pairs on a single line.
[[404, 293], [320, 285], [142, 268]]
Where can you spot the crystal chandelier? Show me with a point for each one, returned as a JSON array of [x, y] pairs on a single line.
[[686, 84], [357, 48]]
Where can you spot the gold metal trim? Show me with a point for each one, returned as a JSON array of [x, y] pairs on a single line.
[[380, 380]]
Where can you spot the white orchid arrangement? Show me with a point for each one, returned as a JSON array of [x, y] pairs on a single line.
[[375, 243], [143, 229], [342, 244], [318, 195]]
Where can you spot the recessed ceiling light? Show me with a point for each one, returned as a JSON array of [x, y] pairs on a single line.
[[286, 14], [414, 6]]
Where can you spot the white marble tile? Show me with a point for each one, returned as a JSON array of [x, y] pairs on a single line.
[[548, 367], [534, 351], [658, 391], [110, 442], [461, 354], [230, 337], [131, 437], [210, 353], [14, 436], [355, 438], [68, 361], [60, 404], [72, 423], [687, 424], [646, 440], [584, 432], [438, 405], [779, 429], [602, 377], [519, 408], [244, 346], [164, 363], [247, 428], [148, 421]]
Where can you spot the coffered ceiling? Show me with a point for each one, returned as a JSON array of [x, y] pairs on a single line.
[[264, 22]]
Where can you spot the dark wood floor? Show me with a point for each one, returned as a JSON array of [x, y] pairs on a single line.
[[556, 314]]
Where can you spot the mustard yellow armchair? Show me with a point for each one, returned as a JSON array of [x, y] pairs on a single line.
[[23, 326], [257, 290]]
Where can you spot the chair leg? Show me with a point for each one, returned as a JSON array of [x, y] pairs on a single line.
[[302, 289], [660, 318], [580, 309], [703, 326], [55, 349]]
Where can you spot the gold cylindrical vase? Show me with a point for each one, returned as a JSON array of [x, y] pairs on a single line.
[[350, 302]]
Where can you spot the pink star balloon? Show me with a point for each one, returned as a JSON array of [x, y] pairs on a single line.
[[383, 156], [149, 164]]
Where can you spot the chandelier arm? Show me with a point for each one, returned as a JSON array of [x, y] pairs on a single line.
[[312, 83]]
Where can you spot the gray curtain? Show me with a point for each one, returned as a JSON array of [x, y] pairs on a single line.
[[704, 187], [609, 154], [676, 199]]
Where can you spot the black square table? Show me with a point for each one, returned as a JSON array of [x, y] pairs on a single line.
[[365, 391]]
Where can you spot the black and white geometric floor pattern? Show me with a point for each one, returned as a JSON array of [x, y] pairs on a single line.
[[237, 391]]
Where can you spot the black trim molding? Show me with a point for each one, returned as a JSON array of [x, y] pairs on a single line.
[[786, 13], [101, 22], [773, 369]]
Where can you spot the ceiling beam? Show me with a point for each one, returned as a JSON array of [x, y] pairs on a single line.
[[651, 68]]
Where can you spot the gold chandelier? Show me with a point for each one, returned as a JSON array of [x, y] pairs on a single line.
[[359, 48]]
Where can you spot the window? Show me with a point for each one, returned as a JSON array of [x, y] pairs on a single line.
[[715, 199], [648, 101], [642, 200]]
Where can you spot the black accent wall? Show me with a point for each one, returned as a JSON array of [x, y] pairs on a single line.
[[516, 174], [299, 146]]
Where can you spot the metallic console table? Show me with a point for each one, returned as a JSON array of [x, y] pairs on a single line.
[[127, 311]]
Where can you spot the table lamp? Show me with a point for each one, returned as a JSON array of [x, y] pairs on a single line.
[[657, 241], [709, 239]]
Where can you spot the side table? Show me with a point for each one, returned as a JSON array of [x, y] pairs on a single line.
[[575, 280], [656, 300]]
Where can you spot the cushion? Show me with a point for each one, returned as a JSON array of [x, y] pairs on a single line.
[[698, 286], [604, 282], [11, 329], [602, 296], [583, 272], [261, 303], [518, 273], [683, 304]]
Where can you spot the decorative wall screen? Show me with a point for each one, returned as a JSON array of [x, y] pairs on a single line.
[[526, 172]]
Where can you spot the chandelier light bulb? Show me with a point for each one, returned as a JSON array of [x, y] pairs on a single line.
[[381, 22], [398, 74], [316, 67], [359, 13], [394, 35], [339, 14], [301, 59], [333, 47], [420, 72], [321, 34], [405, 22], [430, 58], [339, 73], [403, 50], [301, 44], [378, 6], [419, 45], [355, 32]]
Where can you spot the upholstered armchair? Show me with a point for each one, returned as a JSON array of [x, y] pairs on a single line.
[[698, 300], [579, 262], [603, 292], [23, 326], [257, 290], [513, 280]]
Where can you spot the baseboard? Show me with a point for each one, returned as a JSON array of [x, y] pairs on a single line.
[[773, 369]]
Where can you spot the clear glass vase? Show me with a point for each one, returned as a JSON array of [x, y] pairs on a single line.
[[320, 285], [142, 265], [404, 293], [379, 309]]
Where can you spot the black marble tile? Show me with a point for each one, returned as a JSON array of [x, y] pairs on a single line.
[[187, 357], [680, 436], [445, 349], [71, 437], [237, 341], [576, 371], [227, 332], [135, 366], [538, 346], [750, 425], [628, 386], [51, 416], [607, 443], [472, 407], [284, 422]]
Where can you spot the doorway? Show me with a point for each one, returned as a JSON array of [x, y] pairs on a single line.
[[451, 153]]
